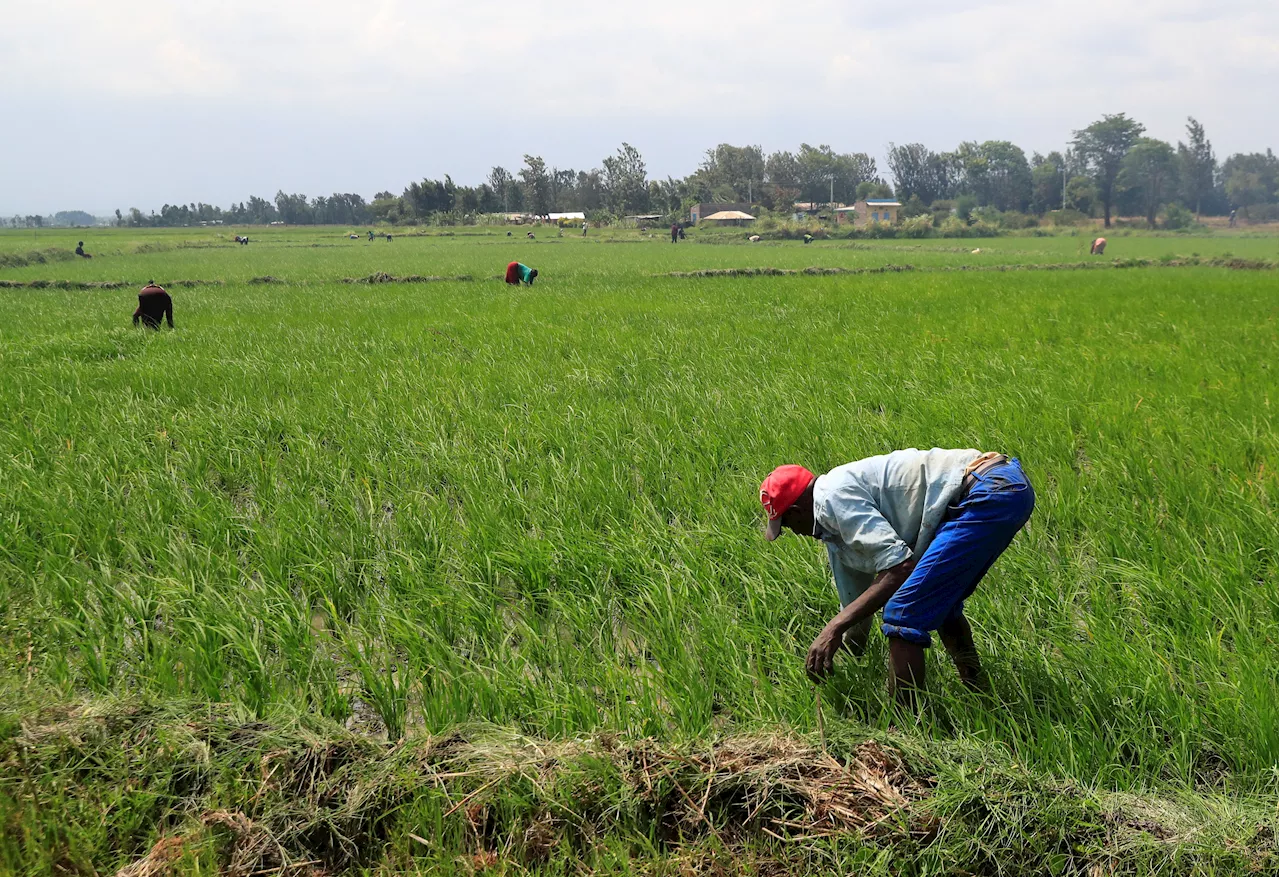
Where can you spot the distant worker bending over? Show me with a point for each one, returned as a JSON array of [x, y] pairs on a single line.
[[153, 304], [80, 251], [518, 273], [911, 532], [1099, 245]]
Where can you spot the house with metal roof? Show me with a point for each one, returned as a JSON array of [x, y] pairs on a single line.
[[870, 210]]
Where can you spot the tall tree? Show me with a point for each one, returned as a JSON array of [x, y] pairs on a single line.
[[783, 170], [825, 175], [562, 194], [1251, 182], [430, 196], [667, 196], [501, 181], [996, 173], [1104, 144], [625, 184], [1197, 166], [740, 168], [293, 209], [1048, 181], [1151, 166], [918, 171], [1082, 194], [590, 190], [536, 182]]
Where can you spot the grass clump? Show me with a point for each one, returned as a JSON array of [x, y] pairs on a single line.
[[35, 257]]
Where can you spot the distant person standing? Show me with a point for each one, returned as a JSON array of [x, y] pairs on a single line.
[[80, 251], [153, 304], [1098, 247], [518, 273], [1231, 219], [584, 228], [675, 232], [370, 234]]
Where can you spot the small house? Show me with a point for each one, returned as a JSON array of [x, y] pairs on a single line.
[[871, 210]]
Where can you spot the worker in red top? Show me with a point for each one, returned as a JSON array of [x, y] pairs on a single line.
[[153, 305], [518, 273]]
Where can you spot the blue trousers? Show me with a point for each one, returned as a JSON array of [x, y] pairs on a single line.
[[977, 530]]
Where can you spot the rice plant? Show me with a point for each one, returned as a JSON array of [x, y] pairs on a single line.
[[399, 509]]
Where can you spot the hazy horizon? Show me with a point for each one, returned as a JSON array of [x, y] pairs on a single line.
[[140, 103]]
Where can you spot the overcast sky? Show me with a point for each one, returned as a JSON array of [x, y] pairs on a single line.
[[141, 102]]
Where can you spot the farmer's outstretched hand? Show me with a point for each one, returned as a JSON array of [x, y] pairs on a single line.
[[822, 654]]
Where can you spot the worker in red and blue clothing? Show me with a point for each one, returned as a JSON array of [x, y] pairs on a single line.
[[518, 273], [154, 304], [911, 532]]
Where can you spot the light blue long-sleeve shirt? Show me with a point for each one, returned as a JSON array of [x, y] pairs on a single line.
[[875, 513]]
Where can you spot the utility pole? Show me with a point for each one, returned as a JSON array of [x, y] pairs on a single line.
[[832, 195], [1064, 184]]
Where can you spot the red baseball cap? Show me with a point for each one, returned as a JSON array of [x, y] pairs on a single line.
[[779, 492]]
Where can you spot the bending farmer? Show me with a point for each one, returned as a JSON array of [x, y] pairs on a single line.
[[153, 304], [912, 532], [518, 273]]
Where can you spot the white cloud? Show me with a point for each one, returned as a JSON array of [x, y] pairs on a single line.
[[435, 87]]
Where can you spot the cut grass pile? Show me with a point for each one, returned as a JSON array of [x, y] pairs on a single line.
[[242, 796], [412, 508], [35, 257], [384, 277]]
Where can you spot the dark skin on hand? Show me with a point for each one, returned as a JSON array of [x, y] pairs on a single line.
[[906, 659]]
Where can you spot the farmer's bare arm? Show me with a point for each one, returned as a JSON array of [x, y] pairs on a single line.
[[822, 653]]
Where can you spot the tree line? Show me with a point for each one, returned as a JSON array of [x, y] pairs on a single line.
[[1109, 168]]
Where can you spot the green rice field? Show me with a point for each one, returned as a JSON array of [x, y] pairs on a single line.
[[353, 577]]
